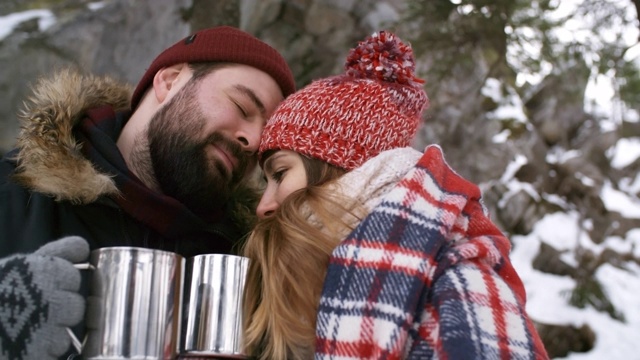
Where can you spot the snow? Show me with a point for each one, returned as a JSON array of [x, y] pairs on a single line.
[[46, 18], [624, 152], [615, 200], [8, 23], [510, 106], [96, 5], [547, 294]]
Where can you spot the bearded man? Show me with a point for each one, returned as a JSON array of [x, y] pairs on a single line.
[[166, 167]]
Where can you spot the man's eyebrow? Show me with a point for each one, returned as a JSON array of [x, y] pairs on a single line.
[[252, 95]]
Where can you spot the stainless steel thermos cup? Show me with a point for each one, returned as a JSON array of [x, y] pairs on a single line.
[[152, 304]]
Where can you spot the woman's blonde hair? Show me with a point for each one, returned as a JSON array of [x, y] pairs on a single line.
[[289, 254]]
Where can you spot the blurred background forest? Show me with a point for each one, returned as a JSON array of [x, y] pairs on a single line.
[[536, 101]]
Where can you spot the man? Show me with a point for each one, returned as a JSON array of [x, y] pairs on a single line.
[[168, 175], [166, 168]]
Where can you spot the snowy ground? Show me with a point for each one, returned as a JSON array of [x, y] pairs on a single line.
[[547, 294]]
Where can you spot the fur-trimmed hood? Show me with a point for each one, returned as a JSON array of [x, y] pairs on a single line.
[[49, 158]]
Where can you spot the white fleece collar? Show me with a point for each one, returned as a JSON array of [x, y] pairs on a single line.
[[377, 176]]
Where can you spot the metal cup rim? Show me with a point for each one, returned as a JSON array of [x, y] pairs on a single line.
[[213, 256], [135, 249]]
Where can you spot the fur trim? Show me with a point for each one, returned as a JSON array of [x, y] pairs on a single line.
[[49, 157]]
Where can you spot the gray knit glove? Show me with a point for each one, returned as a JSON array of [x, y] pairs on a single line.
[[39, 299]]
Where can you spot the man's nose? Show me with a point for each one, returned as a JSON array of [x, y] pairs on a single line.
[[249, 136], [267, 206]]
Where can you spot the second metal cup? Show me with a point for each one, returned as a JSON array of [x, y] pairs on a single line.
[[212, 308]]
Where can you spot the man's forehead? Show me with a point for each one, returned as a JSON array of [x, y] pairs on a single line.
[[249, 77]]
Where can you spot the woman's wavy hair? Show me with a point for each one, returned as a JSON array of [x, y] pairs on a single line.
[[289, 254]]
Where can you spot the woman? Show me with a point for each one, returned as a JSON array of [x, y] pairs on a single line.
[[367, 248]]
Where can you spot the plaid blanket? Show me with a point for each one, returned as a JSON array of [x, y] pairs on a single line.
[[426, 275]]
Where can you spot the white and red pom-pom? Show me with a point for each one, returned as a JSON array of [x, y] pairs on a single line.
[[383, 56]]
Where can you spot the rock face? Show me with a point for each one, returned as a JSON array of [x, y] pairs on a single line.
[[121, 37]]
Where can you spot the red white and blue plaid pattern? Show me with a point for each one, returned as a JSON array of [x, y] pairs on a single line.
[[426, 275]]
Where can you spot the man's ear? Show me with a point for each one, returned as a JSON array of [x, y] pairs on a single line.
[[165, 80]]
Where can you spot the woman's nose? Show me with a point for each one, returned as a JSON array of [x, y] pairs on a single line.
[[267, 206]]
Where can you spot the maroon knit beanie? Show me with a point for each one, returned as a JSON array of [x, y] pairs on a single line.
[[220, 44], [345, 120]]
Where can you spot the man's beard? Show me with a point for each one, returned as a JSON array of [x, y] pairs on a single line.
[[179, 158]]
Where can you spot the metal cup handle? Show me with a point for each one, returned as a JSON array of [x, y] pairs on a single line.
[[84, 266], [77, 344]]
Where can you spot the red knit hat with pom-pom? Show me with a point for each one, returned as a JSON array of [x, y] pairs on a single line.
[[347, 119]]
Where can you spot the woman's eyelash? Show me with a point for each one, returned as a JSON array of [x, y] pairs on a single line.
[[278, 175]]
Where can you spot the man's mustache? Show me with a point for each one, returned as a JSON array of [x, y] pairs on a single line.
[[232, 148]]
